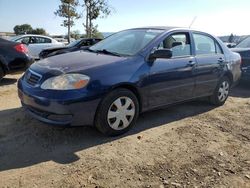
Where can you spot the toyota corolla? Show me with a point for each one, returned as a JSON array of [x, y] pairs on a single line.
[[128, 73]]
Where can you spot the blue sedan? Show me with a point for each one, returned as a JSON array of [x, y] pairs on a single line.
[[130, 72]]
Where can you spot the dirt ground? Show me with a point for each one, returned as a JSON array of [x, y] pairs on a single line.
[[189, 145]]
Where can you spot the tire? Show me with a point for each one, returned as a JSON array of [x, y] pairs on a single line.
[[1, 73], [221, 92], [117, 113]]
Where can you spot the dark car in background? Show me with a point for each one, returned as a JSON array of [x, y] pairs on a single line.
[[128, 73], [79, 44], [243, 48], [13, 57]]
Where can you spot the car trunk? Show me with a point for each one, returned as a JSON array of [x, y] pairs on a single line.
[[245, 55]]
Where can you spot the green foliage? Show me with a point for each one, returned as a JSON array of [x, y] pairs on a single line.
[[27, 29], [39, 31], [95, 9], [96, 34], [75, 34], [23, 29], [67, 10]]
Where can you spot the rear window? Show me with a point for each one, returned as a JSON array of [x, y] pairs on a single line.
[[204, 44], [244, 44], [43, 40]]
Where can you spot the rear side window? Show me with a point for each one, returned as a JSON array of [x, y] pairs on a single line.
[[204, 45], [42, 40]]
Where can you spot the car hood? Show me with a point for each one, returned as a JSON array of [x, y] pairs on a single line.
[[56, 48], [240, 49], [74, 62]]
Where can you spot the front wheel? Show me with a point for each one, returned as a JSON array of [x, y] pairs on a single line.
[[221, 92], [117, 113]]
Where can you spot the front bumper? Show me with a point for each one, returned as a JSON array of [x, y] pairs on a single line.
[[48, 117], [76, 112]]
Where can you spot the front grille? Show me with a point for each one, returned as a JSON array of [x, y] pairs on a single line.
[[32, 78]]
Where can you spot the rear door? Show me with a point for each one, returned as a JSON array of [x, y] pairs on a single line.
[[210, 63]]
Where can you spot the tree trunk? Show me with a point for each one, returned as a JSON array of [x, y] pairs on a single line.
[[69, 32], [90, 28], [87, 21], [68, 24]]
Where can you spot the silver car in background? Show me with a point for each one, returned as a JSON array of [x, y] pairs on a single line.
[[36, 43]]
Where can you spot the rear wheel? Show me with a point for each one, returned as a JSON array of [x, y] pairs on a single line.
[[221, 92], [1, 73], [117, 112]]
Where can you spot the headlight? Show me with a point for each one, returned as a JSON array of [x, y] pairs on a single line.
[[66, 82]]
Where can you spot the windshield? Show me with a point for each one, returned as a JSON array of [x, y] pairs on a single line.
[[244, 44], [74, 43], [127, 43]]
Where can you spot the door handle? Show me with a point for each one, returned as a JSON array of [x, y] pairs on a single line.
[[221, 60], [191, 63]]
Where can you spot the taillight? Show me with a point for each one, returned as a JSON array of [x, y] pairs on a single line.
[[21, 48]]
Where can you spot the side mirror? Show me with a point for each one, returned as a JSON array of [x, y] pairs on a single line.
[[231, 45], [162, 53]]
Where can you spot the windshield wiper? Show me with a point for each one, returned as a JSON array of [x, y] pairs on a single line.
[[88, 49], [104, 51]]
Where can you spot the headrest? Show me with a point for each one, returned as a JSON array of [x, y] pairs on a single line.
[[174, 44]]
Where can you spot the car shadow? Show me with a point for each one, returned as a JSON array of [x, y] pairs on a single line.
[[242, 90], [25, 142], [8, 81]]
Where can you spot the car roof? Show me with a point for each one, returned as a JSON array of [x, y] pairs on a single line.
[[89, 39], [158, 27], [169, 28], [31, 35]]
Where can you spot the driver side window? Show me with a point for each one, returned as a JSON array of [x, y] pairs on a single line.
[[179, 43]]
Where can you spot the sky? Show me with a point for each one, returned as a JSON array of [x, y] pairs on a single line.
[[218, 17]]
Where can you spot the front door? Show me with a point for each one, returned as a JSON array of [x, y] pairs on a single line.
[[171, 80]]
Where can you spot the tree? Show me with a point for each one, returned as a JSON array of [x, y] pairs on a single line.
[[96, 34], [75, 34], [23, 29], [67, 10], [231, 38], [39, 31], [95, 9], [27, 29]]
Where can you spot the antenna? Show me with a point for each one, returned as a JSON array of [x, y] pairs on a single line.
[[194, 19]]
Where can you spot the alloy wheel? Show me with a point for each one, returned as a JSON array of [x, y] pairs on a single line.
[[223, 91]]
